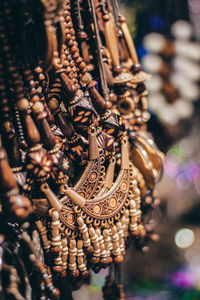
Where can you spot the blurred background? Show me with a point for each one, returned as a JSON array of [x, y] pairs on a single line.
[[167, 37]]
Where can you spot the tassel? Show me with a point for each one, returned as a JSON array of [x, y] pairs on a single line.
[[51, 197], [64, 253], [107, 244], [56, 241], [73, 196], [133, 214], [43, 233], [121, 236], [93, 145], [85, 234], [124, 154], [72, 258], [116, 248], [80, 259], [103, 253], [94, 239], [110, 174]]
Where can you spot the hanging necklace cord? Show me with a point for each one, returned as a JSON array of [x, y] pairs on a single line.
[[104, 85]]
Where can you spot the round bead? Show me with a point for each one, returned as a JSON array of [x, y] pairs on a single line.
[[82, 65], [33, 92], [67, 19], [32, 83], [117, 69], [79, 60], [68, 69], [23, 104], [41, 76], [72, 31], [82, 35], [119, 259], [56, 293], [38, 108], [76, 55], [53, 104], [74, 49], [35, 98], [27, 72], [38, 69], [75, 273], [106, 18], [121, 19], [70, 25], [84, 274], [68, 37], [95, 260], [70, 42], [113, 97], [137, 68]]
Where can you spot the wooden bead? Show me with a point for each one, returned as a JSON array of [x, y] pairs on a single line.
[[67, 19], [89, 250], [56, 241], [7, 180], [115, 241], [43, 233], [85, 234], [98, 101], [94, 260], [106, 17], [38, 69], [84, 274], [41, 77], [64, 253], [70, 88], [121, 19], [70, 43], [33, 91], [19, 207], [32, 134], [79, 60], [22, 104], [136, 68], [72, 31], [56, 293], [73, 49], [82, 65], [82, 35], [53, 104], [121, 235], [94, 240], [76, 55], [38, 107], [68, 37], [117, 69], [35, 98], [74, 273], [72, 257], [80, 256], [106, 241]]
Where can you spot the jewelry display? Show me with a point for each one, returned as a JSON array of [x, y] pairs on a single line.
[[77, 165]]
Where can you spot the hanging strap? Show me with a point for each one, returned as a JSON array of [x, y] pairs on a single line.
[[104, 85]]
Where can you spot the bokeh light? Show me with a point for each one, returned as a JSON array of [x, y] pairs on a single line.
[[184, 238]]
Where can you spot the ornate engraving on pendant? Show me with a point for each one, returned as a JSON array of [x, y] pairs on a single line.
[[103, 207]]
